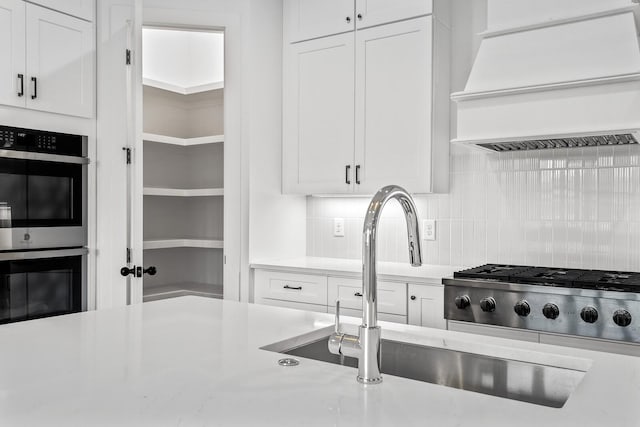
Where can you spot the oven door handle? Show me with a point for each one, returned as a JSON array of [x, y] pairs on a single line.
[[25, 155], [57, 253]]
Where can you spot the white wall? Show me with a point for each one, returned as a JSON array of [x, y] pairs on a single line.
[[566, 208]]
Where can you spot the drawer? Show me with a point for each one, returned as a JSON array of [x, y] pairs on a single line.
[[305, 288], [297, 305], [386, 317], [392, 296]]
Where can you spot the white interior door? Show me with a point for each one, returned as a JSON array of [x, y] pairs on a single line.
[[393, 110], [60, 62], [118, 127], [319, 116], [12, 52]]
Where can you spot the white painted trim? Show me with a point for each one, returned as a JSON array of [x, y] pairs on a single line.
[[623, 78], [190, 90], [183, 243], [180, 192], [173, 290], [559, 21], [185, 142]]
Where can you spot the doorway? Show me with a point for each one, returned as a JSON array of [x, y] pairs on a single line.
[[183, 162]]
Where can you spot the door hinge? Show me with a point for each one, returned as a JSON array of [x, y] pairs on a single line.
[[128, 57], [128, 150], [128, 255]]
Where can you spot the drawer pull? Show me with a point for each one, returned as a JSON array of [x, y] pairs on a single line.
[[357, 294], [295, 288]]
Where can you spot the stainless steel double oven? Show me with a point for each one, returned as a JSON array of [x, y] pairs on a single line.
[[43, 223]]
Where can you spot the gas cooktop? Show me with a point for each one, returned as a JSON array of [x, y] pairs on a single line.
[[592, 303], [550, 276]]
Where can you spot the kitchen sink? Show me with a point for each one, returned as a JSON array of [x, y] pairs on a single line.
[[535, 383]]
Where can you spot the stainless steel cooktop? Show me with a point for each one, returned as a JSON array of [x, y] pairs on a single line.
[[590, 303]]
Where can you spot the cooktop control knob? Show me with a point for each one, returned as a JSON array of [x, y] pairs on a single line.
[[488, 304], [522, 308], [462, 302], [622, 318], [589, 314], [550, 311]]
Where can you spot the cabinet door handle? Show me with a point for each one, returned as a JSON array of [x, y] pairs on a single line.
[[35, 88], [413, 297], [357, 174], [359, 17], [21, 84], [348, 19], [295, 288], [347, 174], [357, 294]]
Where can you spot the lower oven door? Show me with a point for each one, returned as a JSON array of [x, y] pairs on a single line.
[[41, 284]]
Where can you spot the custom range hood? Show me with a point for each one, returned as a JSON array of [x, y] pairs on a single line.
[[553, 74]]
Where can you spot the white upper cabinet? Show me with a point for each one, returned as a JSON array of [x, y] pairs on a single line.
[[60, 63], [83, 9], [375, 12], [393, 95], [369, 108], [318, 121], [310, 19], [12, 78]]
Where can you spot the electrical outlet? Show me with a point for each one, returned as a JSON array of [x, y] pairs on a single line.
[[429, 229], [338, 227]]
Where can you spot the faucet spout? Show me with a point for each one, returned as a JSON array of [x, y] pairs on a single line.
[[369, 238], [366, 347]]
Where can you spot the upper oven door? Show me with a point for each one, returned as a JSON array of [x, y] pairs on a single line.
[[54, 194]]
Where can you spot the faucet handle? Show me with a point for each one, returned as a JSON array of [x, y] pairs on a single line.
[[337, 323]]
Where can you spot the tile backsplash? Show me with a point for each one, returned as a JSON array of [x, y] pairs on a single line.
[[566, 207]]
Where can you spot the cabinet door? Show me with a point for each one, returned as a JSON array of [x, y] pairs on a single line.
[[426, 306], [319, 116], [376, 12], [392, 296], [12, 49], [80, 8], [60, 57], [310, 19], [393, 110]]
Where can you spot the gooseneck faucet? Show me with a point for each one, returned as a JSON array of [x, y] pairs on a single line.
[[366, 346]]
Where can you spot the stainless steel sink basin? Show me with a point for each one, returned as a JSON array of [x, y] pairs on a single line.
[[535, 383]]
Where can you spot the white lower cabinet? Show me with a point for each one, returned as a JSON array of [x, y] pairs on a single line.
[[494, 331], [270, 286], [392, 296], [426, 306]]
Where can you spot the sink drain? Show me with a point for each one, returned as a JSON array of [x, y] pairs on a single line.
[[288, 361]]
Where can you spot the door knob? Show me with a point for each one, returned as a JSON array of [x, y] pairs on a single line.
[[125, 271], [151, 271], [137, 271]]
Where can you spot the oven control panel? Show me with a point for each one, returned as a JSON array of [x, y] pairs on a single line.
[[38, 141]]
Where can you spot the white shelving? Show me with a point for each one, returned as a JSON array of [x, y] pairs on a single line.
[[183, 243], [185, 142], [174, 290], [182, 90], [183, 192]]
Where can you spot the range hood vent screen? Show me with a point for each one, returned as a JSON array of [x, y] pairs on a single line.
[[542, 144]]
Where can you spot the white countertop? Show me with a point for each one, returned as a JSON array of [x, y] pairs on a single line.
[[353, 268], [194, 361]]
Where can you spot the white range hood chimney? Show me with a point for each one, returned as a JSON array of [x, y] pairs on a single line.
[[552, 74]]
